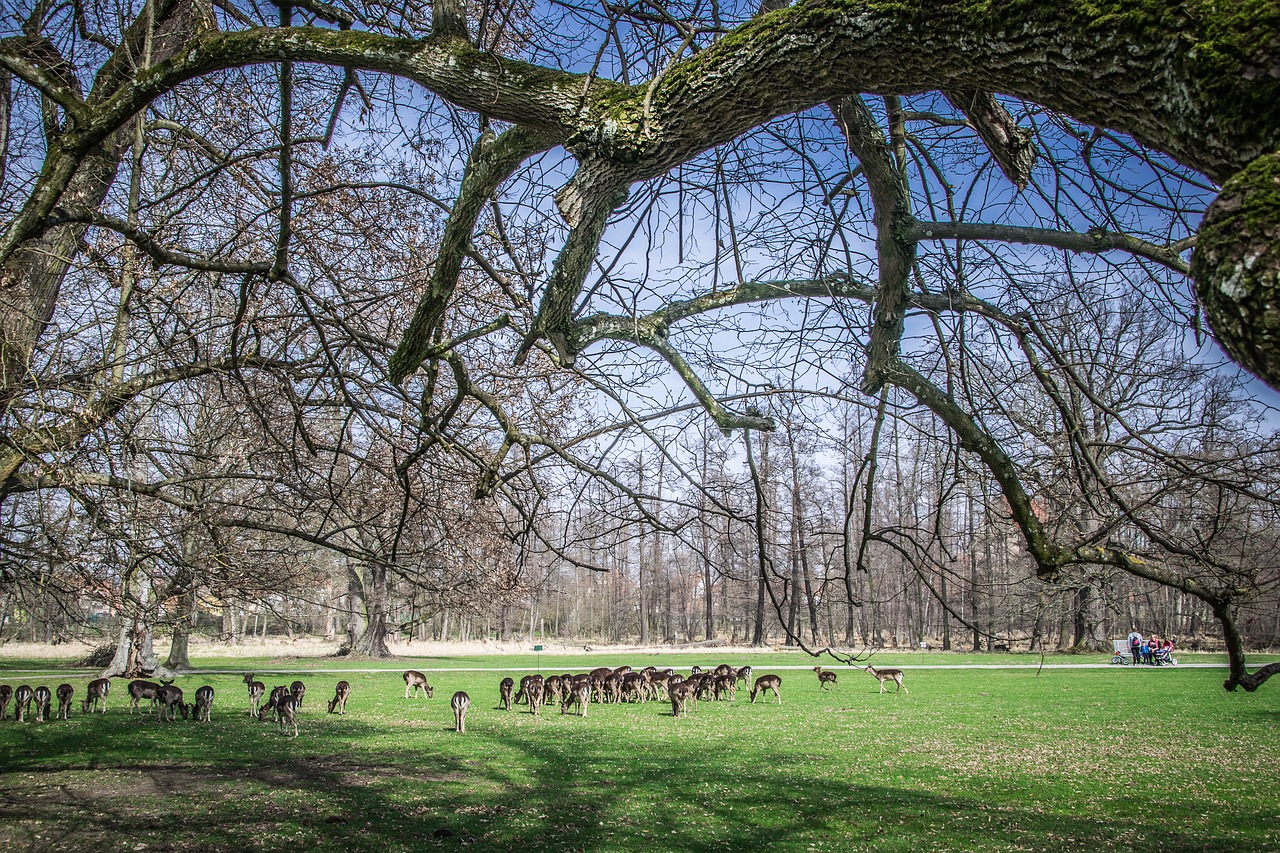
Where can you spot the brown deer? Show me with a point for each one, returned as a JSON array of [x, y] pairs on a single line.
[[765, 683], [139, 690], [256, 690], [505, 688], [523, 692], [299, 691], [680, 694], [272, 708], [43, 698], [726, 686], [534, 693], [287, 711], [338, 703], [883, 675], [578, 693], [204, 704], [744, 675], [65, 693], [6, 694], [826, 680], [415, 681], [460, 703], [169, 700], [21, 702], [97, 693]]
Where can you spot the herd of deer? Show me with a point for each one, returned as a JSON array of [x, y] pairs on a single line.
[[167, 700], [602, 685]]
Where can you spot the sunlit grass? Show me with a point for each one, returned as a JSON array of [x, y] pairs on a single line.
[[1106, 759]]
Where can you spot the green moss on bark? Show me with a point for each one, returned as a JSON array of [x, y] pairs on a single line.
[[1236, 267]]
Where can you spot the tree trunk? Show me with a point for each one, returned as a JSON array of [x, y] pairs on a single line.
[[374, 641]]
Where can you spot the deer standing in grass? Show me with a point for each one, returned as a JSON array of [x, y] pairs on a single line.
[[505, 689], [97, 690], [139, 690], [299, 691], [577, 693], [764, 684], [415, 681], [204, 704], [287, 712], [534, 692], [21, 702], [43, 698], [64, 694], [680, 693], [460, 703], [883, 675], [825, 679], [338, 703], [256, 689], [169, 699]]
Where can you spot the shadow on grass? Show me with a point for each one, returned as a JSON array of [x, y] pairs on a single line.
[[238, 787]]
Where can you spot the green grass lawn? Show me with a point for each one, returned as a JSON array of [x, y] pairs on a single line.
[[1108, 759]]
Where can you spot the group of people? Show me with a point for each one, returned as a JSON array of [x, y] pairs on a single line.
[[1149, 650]]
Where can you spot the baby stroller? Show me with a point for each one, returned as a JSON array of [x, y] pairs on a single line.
[[1164, 657]]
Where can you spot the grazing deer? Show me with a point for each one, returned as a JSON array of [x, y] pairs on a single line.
[[204, 704], [680, 694], [744, 675], [169, 700], [6, 694], [726, 686], [43, 698], [722, 669], [552, 689], [505, 688], [579, 693], [139, 690], [825, 679], [765, 683], [256, 689], [97, 693], [523, 692], [883, 675], [65, 693], [460, 703], [299, 691], [287, 711], [21, 702], [534, 692], [278, 695], [415, 681], [339, 701]]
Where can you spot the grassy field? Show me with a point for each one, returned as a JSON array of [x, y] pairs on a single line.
[[1106, 759]]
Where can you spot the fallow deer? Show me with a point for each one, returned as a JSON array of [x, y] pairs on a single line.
[[534, 693], [765, 683], [204, 704], [43, 698], [22, 702], [415, 681], [680, 694], [523, 692], [65, 693], [97, 694], [460, 703], [338, 704], [579, 693], [256, 691], [726, 686], [744, 675], [6, 695], [287, 712], [139, 690], [825, 679], [299, 690], [169, 700], [272, 708], [883, 675], [505, 689]]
